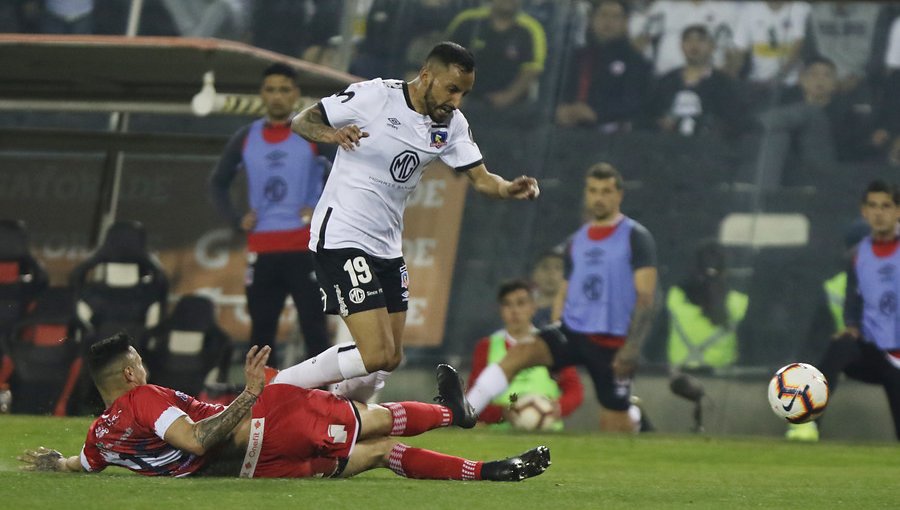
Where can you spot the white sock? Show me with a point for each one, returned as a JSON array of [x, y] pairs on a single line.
[[362, 389], [490, 383], [334, 364], [634, 413]]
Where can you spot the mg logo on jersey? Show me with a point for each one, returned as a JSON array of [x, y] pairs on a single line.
[[439, 138], [404, 165]]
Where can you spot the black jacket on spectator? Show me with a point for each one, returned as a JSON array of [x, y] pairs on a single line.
[[612, 78], [713, 103], [852, 122]]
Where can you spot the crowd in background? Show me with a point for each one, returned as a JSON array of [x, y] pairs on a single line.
[[811, 77]]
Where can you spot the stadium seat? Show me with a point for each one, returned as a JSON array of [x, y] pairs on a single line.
[[183, 349], [22, 277], [45, 353], [120, 287]]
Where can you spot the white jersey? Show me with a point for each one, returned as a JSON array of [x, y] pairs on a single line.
[[365, 196], [769, 35], [665, 21]]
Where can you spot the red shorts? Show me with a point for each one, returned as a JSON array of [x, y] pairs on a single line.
[[302, 433]]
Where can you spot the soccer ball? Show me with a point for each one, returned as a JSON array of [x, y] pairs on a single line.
[[532, 412], [798, 393]]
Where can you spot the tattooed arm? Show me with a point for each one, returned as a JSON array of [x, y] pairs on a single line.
[[312, 125], [199, 437], [626, 360]]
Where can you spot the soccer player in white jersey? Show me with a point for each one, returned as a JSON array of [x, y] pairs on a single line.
[[389, 131]]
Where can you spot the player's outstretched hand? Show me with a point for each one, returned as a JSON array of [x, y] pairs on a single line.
[[348, 137], [255, 368], [523, 188], [41, 459]]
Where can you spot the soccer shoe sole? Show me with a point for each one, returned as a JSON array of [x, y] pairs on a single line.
[[535, 461], [452, 395]]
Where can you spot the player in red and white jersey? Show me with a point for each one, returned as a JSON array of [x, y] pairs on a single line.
[[129, 433], [389, 131], [283, 431]]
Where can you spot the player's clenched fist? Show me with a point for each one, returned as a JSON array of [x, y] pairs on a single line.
[[523, 188]]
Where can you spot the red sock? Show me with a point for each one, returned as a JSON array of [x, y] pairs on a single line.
[[426, 464], [413, 418]]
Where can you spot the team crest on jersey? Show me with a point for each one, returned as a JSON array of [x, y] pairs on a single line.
[[439, 138]]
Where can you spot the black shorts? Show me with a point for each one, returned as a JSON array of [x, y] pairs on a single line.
[[572, 348], [353, 281]]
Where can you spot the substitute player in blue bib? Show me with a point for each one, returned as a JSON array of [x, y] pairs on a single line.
[[389, 132], [606, 307], [868, 349], [284, 181]]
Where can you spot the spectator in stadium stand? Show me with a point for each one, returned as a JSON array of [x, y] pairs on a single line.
[[510, 47], [696, 98], [606, 308], [608, 81], [844, 32], [400, 33], [827, 126], [281, 431], [768, 41], [285, 178], [389, 131], [868, 347], [656, 29], [67, 17], [889, 118], [563, 387], [547, 277], [224, 19]]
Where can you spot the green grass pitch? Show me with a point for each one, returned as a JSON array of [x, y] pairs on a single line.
[[589, 471]]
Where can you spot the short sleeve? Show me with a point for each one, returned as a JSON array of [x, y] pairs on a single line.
[[356, 104], [462, 152], [643, 248], [155, 408]]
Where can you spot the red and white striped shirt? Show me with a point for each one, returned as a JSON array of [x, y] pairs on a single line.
[[130, 433]]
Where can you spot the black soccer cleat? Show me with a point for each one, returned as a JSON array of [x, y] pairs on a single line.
[[536, 461], [515, 469], [506, 470], [452, 395]]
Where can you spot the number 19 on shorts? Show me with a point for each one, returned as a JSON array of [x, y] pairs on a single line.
[[358, 269]]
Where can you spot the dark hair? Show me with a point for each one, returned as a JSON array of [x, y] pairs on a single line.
[[281, 70], [448, 53], [510, 286], [879, 186], [698, 29], [819, 59], [106, 351], [605, 171]]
